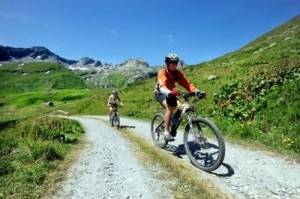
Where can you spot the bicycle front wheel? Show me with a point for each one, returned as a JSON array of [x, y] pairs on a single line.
[[204, 144], [115, 120], [112, 120], [157, 130]]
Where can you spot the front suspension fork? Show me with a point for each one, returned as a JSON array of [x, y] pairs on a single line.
[[190, 122]]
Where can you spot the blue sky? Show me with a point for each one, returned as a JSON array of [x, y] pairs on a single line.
[[113, 31]]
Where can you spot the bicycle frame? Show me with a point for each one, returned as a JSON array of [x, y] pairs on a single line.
[[187, 108], [115, 115]]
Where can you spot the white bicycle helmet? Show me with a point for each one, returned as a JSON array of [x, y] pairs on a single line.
[[172, 57]]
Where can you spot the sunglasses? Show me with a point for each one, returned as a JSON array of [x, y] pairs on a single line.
[[172, 62]]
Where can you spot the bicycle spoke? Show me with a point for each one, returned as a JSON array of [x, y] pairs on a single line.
[[206, 148], [157, 131]]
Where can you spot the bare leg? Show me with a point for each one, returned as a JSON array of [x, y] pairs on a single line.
[[179, 105], [110, 111], [168, 114]]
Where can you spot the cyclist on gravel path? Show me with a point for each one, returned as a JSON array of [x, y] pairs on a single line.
[[166, 92], [111, 103]]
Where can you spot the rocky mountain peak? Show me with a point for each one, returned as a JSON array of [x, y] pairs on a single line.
[[33, 54], [130, 63], [87, 61]]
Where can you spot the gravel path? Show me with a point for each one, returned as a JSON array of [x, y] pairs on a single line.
[[107, 168], [103, 171]]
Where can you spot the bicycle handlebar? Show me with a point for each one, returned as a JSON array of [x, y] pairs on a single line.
[[186, 95]]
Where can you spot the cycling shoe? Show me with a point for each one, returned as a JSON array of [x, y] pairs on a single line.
[[168, 136]]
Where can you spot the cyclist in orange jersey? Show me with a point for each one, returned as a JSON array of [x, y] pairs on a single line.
[[166, 93]]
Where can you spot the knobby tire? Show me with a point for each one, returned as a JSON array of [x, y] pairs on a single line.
[[115, 120], [207, 152], [157, 131]]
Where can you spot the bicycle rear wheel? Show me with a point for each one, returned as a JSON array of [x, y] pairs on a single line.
[[207, 149], [157, 130]]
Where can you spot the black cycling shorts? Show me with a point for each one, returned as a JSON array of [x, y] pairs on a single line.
[[113, 105], [172, 102]]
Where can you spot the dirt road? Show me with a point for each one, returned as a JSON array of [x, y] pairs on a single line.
[[102, 170]]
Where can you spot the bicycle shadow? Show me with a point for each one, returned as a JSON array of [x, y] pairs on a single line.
[[126, 126], [230, 171], [179, 151]]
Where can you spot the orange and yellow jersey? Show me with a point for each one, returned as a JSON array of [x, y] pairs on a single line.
[[166, 81]]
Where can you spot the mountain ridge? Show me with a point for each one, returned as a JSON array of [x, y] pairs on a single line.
[[36, 53], [43, 54], [94, 72]]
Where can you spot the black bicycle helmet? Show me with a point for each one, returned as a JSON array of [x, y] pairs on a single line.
[[172, 57], [115, 92]]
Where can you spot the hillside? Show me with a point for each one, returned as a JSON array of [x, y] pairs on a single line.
[[279, 43], [36, 76]]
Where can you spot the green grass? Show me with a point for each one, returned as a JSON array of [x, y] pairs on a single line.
[[19, 77], [31, 151], [116, 79]]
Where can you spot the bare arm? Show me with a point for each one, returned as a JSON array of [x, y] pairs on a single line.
[[109, 99], [121, 103]]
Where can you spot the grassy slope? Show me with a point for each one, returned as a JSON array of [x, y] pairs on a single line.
[[32, 145], [25, 88], [22, 78]]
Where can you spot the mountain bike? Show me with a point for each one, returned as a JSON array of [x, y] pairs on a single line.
[[115, 118], [203, 141]]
